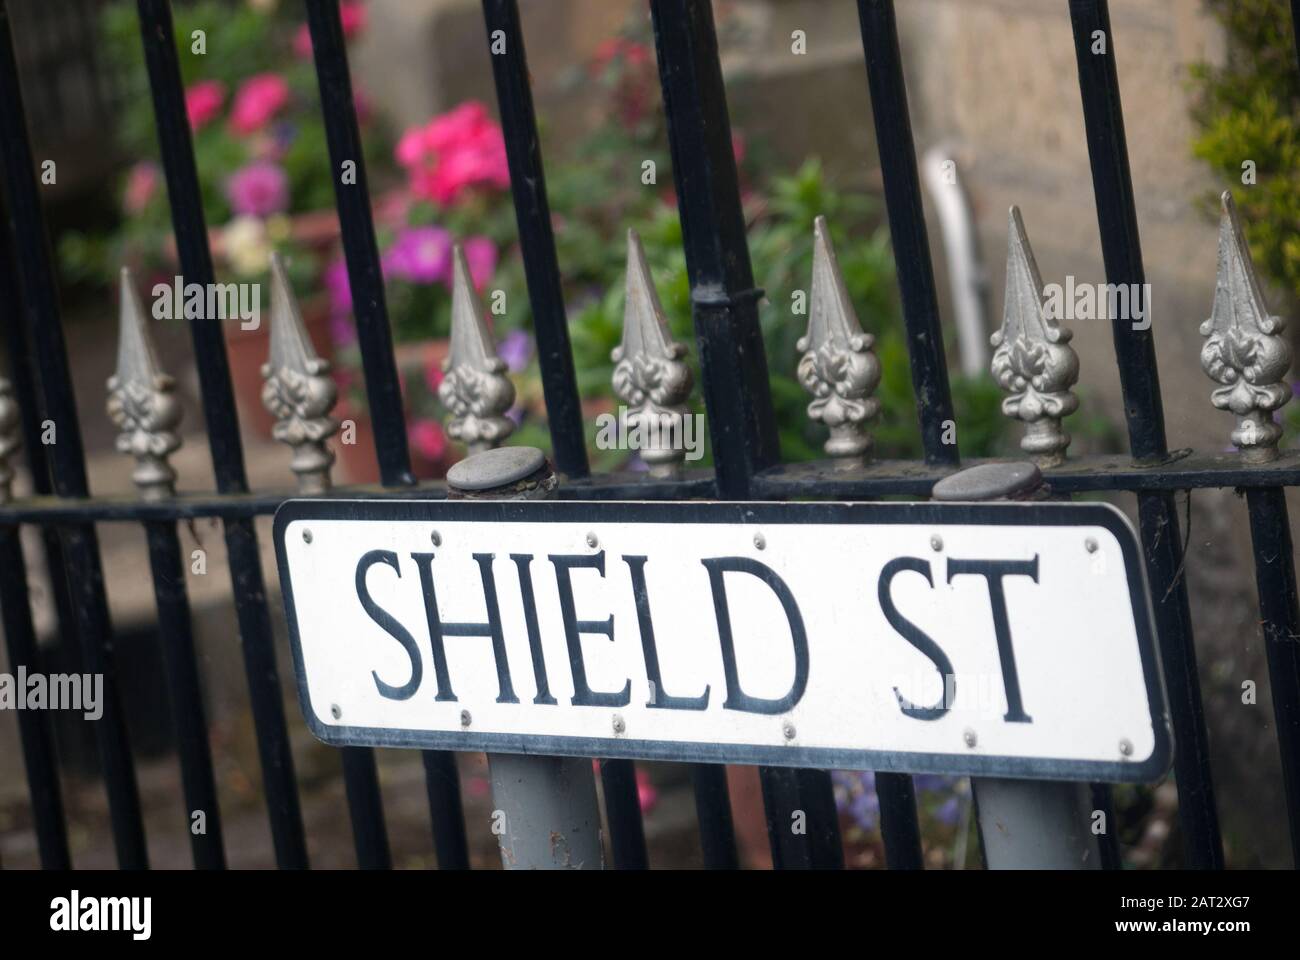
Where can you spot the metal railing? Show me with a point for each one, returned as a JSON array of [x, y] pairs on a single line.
[[735, 388]]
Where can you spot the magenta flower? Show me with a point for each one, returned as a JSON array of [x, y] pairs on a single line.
[[203, 101], [259, 189], [481, 257], [428, 439], [420, 255], [257, 102]]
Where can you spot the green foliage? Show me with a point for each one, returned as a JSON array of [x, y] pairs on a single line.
[[1249, 110]]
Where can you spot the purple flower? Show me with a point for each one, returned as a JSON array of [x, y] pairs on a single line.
[[420, 255], [855, 793], [258, 190], [516, 350]]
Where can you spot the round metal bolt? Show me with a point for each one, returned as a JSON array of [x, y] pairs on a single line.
[[1126, 747], [306, 536], [760, 541], [592, 541], [619, 725], [969, 737], [465, 718], [787, 728], [435, 538], [989, 481], [336, 711], [1090, 545], [936, 542], [495, 468]]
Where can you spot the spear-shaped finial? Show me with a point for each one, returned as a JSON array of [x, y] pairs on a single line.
[[1033, 359], [142, 401], [9, 441], [649, 374], [1244, 350], [475, 388], [298, 391], [838, 366]]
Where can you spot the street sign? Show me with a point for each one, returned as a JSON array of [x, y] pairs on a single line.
[[1007, 639]]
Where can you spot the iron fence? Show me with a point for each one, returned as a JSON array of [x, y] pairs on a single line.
[[724, 299]]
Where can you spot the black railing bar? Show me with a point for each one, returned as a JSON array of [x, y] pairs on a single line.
[[536, 236], [1140, 384], [925, 348], [816, 480], [1270, 530], [185, 696], [508, 55], [40, 308], [907, 228], [24, 373], [39, 757], [384, 396], [247, 583], [733, 366]]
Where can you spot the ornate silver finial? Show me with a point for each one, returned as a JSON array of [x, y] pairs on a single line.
[[475, 389], [649, 375], [1244, 351], [9, 441], [298, 391], [142, 401], [1033, 359], [838, 366]]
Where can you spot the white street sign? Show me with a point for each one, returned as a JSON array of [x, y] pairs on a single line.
[[991, 639]]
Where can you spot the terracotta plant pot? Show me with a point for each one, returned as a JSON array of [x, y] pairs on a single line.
[[249, 349], [358, 461]]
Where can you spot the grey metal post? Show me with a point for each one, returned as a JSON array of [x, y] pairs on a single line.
[[1024, 824], [546, 815]]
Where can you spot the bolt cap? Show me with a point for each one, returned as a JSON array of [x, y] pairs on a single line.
[[496, 468], [989, 481]]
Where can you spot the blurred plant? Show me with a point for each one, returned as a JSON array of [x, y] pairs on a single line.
[[1248, 112], [259, 144]]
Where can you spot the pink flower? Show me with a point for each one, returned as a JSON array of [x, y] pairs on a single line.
[[433, 378], [259, 190], [257, 102], [428, 439], [481, 257], [420, 255], [141, 185], [456, 152], [203, 101], [354, 17], [646, 793]]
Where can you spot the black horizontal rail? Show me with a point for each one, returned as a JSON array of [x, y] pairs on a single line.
[[815, 479]]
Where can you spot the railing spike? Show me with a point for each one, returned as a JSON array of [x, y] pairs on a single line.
[[142, 401], [475, 389], [1244, 350], [1033, 360], [838, 366], [649, 374], [9, 438], [298, 391]]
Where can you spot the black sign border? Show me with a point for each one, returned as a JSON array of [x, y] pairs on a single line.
[[1103, 515]]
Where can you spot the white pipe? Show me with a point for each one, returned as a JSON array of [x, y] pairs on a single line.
[[966, 274]]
